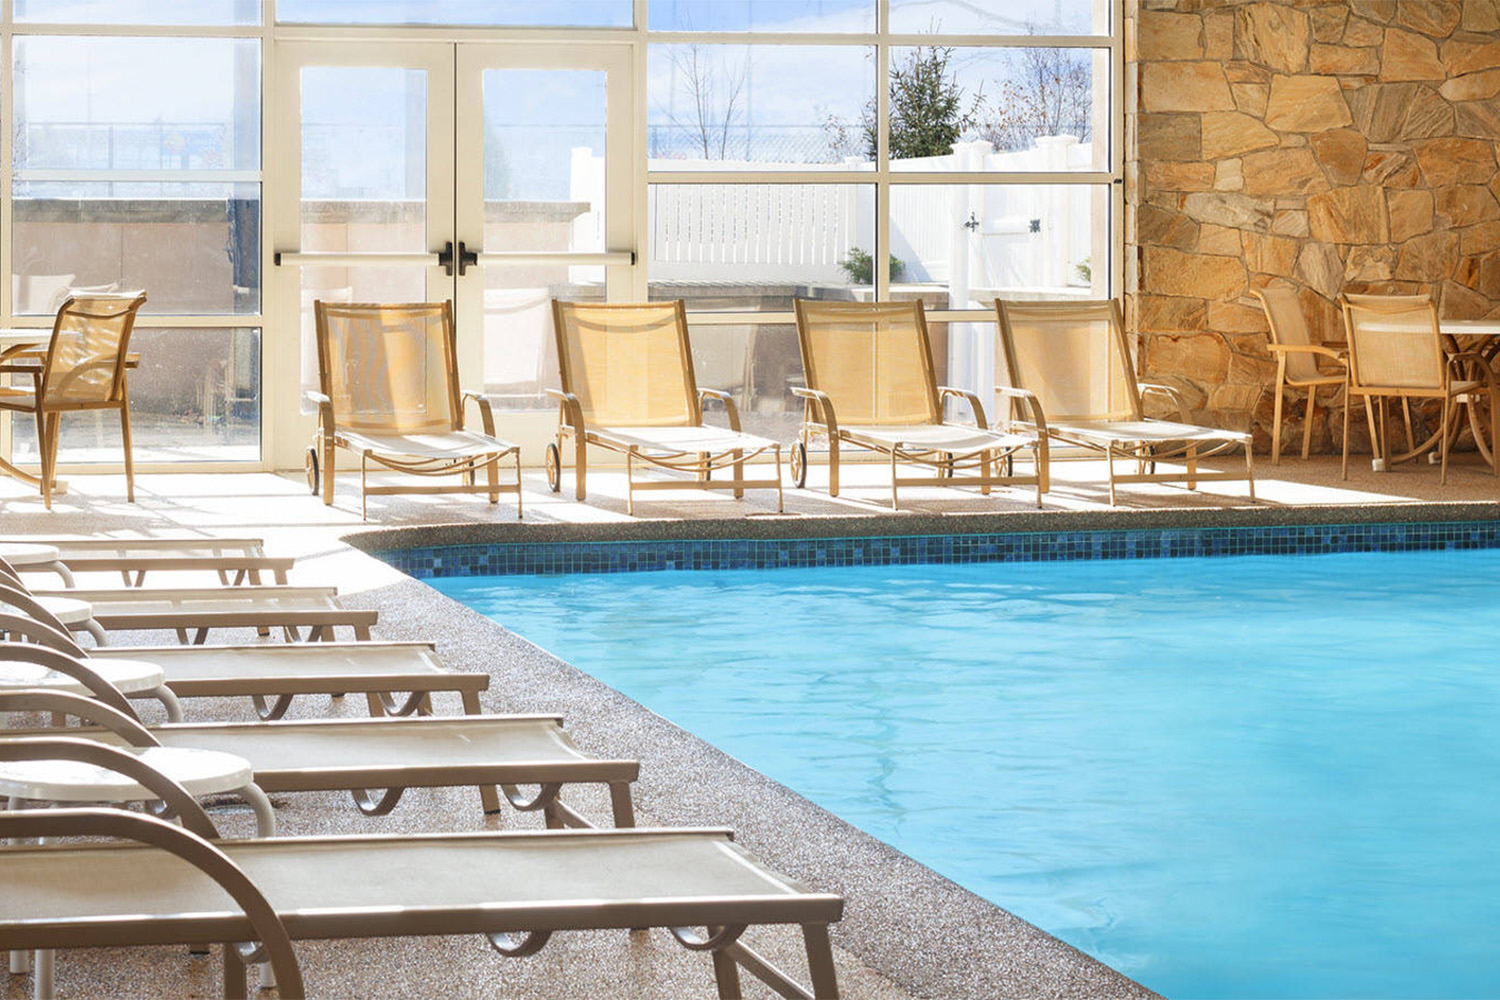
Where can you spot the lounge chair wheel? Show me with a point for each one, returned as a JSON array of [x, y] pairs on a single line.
[[799, 465], [554, 468], [314, 478]]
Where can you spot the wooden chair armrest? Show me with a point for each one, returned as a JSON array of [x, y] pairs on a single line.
[[730, 409], [1038, 418], [325, 413], [1171, 393], [486, 411], [953, 392], [830, 421], [569, 408], [1341, 356], [196, 850]]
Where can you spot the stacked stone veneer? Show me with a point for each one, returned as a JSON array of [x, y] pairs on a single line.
[[1330, 147]]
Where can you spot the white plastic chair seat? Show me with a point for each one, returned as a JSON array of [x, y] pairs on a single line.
[[201, 772], [21, 554], [936, 437], [130, 676], [682, 440], [444, 445]]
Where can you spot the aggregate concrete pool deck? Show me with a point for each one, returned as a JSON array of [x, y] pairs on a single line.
[[907, 932]]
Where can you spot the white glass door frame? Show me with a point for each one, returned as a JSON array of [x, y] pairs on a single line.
[[286, 430], [618, 255]]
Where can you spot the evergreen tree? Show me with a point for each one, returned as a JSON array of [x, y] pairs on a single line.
[[927, 113]]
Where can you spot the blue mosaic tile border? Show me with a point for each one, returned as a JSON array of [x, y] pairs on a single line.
[[549, 558]]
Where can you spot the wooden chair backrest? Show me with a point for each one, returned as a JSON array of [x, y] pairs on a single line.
[[85, 363], [1394, 342], [1073, 355], [389, 368], [873, 359], [1289, 326], [629, 364]]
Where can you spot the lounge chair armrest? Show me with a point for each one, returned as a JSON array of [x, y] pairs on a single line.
[[325, 414], [87, 711], [975, 406], [733, 411], [313, 396], [1148, 388], [569, 408], [1341, 355], [1038, 418], [486, 410], [197, 851], [820, 400]]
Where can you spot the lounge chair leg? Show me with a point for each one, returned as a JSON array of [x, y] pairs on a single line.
[[1345, 466], [125, 440], [1109, 458], [234, 974], [727, 977], [492, 473], [1276, 413], [833, 466], [376, 708], [471, 704], [986, 467], [630, 482], [739, 474], [820, 968], [781, 506], [1312, 394], [580, 466], [329, 463], [621, 804], [489, 799], [894, 504], [1250, 469], [518, 484], [1192, 467], [1448, 406]]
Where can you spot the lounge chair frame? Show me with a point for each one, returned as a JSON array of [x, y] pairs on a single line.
[[235, 561], [645, 444], [1297, 361], [343, 429], [992, 462], [1126, 433], [1455, 378], [516, 926]]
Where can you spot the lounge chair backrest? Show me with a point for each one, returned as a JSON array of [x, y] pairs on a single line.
[[873, 359], [86, 355], [1288, 325], [629, 364], [1072, 355], [389, 369], [1394, 342]]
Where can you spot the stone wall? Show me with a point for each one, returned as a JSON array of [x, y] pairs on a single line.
[[1328, 146]]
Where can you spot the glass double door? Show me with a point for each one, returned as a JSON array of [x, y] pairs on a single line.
[[495, 175]]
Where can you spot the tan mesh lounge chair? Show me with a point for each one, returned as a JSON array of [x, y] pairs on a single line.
[[397, 678], [84, 369], [388, 378], [1074, 356], [628, 386], [1297, 360], [360, 756], [233, 560], [1396, 351], [871, 384], [516, 889]]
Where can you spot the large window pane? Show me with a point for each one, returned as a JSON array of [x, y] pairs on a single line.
[[1001, 17], [999, 109], [88, 103], [185, 12], [761, 15], [520, 348], [194, 248], [195, 397], [544, 133], [976, 243], [746, 107], [346, 284], [756, 247], [583, 13]]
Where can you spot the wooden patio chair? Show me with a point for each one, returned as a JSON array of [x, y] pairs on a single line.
[[1397, 351], [359, 756], [1297, 360], [628, 386], [397, 678], [1074, 356], [870, 383], [516, 889], [389, 391], [84, 369]]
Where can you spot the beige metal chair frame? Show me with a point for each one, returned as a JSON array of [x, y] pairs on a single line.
[[598, 362], [918, 434], [375, 761], [1389, 361], [515, 889], [234, 560], [1297, 360], [397, 678], [371, 405], [1117, 428], [84, 369]]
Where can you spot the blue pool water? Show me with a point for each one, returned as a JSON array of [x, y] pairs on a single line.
[[1238, 777]]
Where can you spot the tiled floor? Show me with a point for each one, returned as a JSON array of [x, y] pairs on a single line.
[[906, 934]]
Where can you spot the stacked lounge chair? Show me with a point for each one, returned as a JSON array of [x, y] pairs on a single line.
[[158, 883]]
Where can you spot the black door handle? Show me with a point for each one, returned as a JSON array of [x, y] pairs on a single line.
[[466, 258]]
